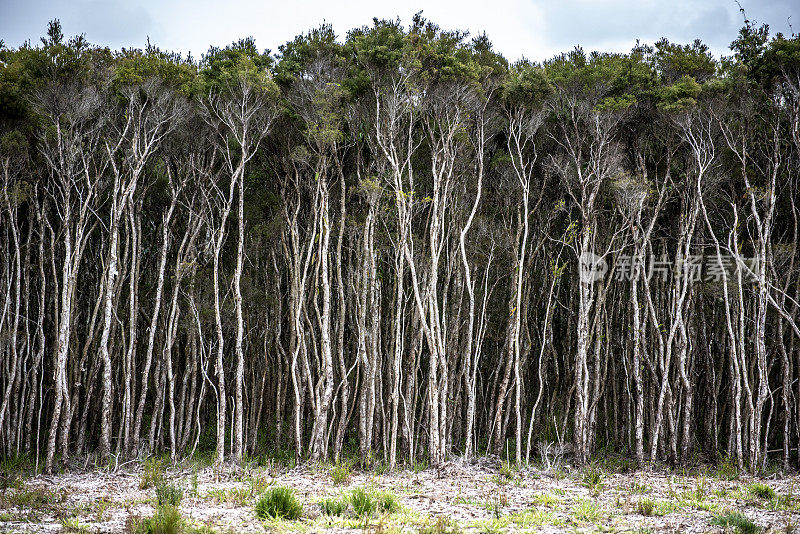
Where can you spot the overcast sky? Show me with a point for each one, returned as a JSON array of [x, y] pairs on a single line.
[[536, 29]]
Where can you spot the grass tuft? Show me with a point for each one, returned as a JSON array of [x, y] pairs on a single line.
[[726, 469], [593, 478], [737, 520], [279, 503], [340, 474], [646, 507], [333, 507], [507, 470], [387, 502], [42, 499], [761, 490], [587, 511], [166, 520], [442, 525], [168, 494], [362, 502], [152, 473]]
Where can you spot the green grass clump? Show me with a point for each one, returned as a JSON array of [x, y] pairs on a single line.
[[168, 494], [362, 502], [442, 525], [762, 491], [33, 499], [546, 499], [152, 473], [587, 511], [340, 474], [166, 520], [279, 503], [646, 507], [593, 478], [418, 466], [736, 520], [387, 502], [335, 507], [507, 470], [726, 469], [74, 526]]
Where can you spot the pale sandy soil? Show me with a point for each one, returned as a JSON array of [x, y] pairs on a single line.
[[473, 498]]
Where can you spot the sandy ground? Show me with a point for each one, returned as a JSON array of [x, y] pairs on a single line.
[[456, 497]]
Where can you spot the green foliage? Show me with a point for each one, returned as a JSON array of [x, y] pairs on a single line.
[[593, 477], [228, 70], [386, 502], [674, 61], [168, 494], [362, 502], [134, 66], [152, 472], [726, 469], [526, 85], [681, 95], [442, 525], [43, 499], [13, 145], [278, 503], [166, 520], [333, 507], [736, 520], [587, 511], [761, 491], [297, 55], [506, 470], [646, 507], [606, 82]]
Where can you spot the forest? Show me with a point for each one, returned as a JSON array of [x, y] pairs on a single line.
[[397, 246]]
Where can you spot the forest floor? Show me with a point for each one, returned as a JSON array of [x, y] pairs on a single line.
[[481, 497]]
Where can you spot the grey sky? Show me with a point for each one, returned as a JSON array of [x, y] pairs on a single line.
[[536, 29]]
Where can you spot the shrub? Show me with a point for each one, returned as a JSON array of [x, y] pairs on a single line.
[[168, 494], [333, 507], [738, 521], [279, 503], [762, 491], [362, 502]]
